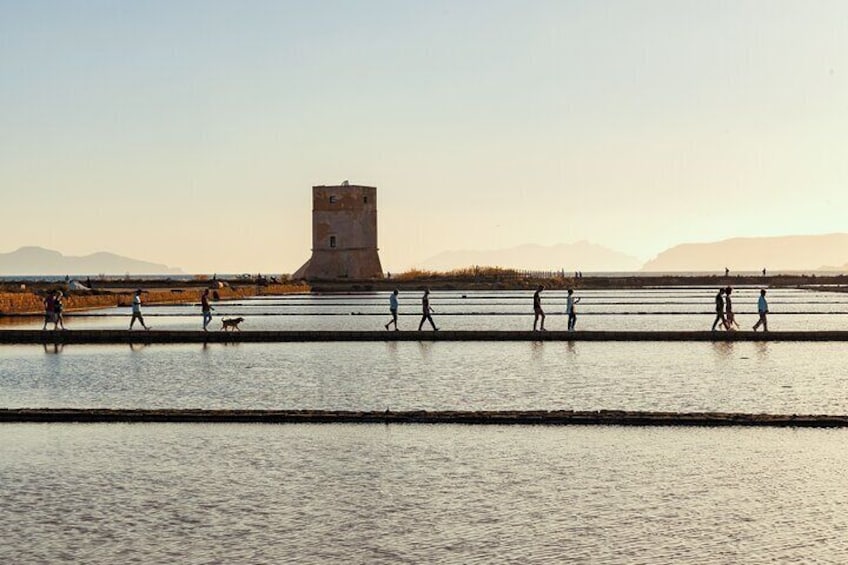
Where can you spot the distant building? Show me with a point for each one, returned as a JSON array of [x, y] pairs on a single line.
[[344, 234]]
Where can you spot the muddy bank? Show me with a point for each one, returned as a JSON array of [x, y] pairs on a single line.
[[500, 418]]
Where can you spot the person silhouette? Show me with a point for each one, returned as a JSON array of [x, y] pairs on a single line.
[[719, 307], [58, 311], [762, 310], [538, 313], [570, 302], [393, 308], [426, 310], [49, 310], [729, 316], [206, 309], [136, 311]]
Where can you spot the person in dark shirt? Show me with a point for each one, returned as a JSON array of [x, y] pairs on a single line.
[[58, 309], [537, 309], [206, 309], [425, 305], [719, 306], [571, 310], [729, 316], [49, 310]]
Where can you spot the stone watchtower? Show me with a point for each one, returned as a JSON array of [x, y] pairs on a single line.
[[344, 234]]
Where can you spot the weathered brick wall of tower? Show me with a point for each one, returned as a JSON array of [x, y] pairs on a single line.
[[344, 234]]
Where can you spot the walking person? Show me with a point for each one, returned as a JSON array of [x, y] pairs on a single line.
[[58, 308], [206, 309], [538, 313], [49, 310], [136, 311], [426, 310], [719, 307], [762, 310], [570, 303], [729, 316], [393, 308]]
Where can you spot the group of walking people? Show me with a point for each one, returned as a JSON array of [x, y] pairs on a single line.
[[539, 314], [723, 304], [426, 311], [205, 309], [54, 308], [726, 317]]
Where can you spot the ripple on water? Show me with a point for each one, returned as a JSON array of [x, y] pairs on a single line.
[[389, 494]]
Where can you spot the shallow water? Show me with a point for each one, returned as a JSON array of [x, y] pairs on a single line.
[[781, 377], [412, 494], [644, 309]]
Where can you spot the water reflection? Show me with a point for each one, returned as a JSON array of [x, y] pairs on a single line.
[[762, 350], [723, 350], [392, 350], [431, 375], [537, 351], [53, 349], [426, 349]]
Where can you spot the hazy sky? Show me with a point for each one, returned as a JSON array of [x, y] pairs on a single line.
[[190, 133]]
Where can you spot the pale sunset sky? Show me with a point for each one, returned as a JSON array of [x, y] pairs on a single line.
[[191, 132]]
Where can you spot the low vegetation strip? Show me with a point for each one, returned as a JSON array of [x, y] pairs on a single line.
[[50, 337], [31, 303], [500, 417]]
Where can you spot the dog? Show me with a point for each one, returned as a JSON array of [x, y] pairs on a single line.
[[231, 323]]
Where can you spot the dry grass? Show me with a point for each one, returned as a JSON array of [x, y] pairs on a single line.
[[465, 273], [30, 302]]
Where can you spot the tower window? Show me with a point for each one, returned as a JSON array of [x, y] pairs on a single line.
[[333, 199], [332, 241], [365, 200]]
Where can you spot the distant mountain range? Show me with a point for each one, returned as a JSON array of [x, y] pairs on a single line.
[[788, 253], [580, 256], [794, 252], [30, 261]]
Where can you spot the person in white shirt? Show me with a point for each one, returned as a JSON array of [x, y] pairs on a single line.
[[136, 311], [393, 308], [762, 310]]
